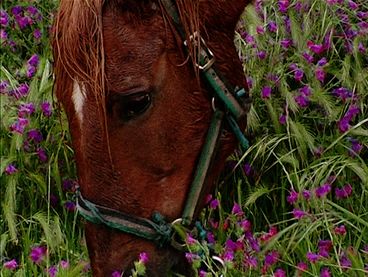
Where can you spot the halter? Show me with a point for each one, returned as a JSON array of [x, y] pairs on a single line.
[[234, 103]]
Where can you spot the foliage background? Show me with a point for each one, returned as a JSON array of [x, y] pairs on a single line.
[[294, 204]]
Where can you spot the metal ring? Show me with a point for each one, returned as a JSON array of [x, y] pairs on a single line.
[[177, 221], [213, 104]]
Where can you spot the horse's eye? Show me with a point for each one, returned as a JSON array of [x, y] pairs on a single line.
[[127, 107]]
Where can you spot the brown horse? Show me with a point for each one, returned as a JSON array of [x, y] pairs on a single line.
[[138, 112]]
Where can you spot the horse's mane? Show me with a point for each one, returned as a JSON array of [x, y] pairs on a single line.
[[78, 42]]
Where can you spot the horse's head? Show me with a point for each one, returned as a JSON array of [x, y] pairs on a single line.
[[137, 111]]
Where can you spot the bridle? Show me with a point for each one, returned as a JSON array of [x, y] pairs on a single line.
[[229, 104]]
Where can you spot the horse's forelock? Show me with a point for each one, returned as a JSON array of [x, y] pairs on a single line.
[[78, 46]]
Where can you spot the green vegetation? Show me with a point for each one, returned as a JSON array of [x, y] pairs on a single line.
[[294, 204]]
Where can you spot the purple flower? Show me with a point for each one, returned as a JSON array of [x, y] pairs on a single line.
[[4, 18], [52, 271], [37, 34], [251, 262], [35, 135], [342, 93], [10, 169], [260, 30], [292, 197], [253, 242], [143, 258], [11, 265], [3, 35], [246, 225], [309, 58], [26, 109], [325, 272], [261, 55], [248, 170], [302, 266], [283, 5], [324, 247], [38, 254], [352, 112], [69, 206], [322, 62], [214, 204], [299, 214], [69, 185], [272, 26], [3, 86], [237, 210], [190, 240], [46, 109], [320, 74], [271, 258], [191, 257], [315, 48], [345, 262], [279, 273], [22, 90], [34, 60], [64, 264], [343, 125], [356, 147], [211, 238], [302, 101], [31, 70], [353, 5], [228, 256], [23, 21], [344, 192], [298, 74], [306, 194], [116, 274], [323, 190], [313, 257], [340, 230], [282, 119], [266, 92], [19, 125], [41, 153], [361, 48], [16, 10], [286, 43]]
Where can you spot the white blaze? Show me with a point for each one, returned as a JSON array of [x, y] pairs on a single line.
[[78, 99]]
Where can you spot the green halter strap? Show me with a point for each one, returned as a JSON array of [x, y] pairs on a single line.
[[234, 104]]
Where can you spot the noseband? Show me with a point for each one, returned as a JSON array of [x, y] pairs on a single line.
[[232, 105]]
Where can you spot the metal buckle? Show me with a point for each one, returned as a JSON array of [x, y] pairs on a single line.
[[206, 55]]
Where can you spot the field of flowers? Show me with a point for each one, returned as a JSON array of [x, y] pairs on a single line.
[[294, 204]]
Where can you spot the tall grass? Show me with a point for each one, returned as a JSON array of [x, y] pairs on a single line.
[[294, 204]]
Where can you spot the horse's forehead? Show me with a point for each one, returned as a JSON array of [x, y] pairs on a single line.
[[131, 47]]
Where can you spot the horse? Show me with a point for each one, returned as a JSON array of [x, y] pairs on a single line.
[[129, 77]]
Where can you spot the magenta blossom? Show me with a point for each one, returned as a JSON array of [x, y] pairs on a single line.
[[323, 190], [344, 192], [214, 204], [302, 266], [143, 258], [306, 194], [237, 210], [52, 271], [271, 258], [308, 57], [320, 74], [325, 272], [11, 265], [292, 197], [46, 109], [19, 125], [279, 273], [26, 109], [42, 156], [272, 26], [35, 135], [266, 92], [10, 169], [313, 257], [64, 264], [70, 206], [38, 254], [116, 274], [340, 230], [315, 48], [299, 214]]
